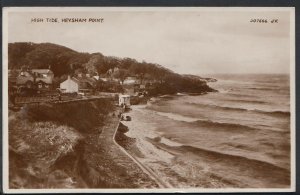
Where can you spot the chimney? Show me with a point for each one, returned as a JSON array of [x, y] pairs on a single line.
[[69, 77]]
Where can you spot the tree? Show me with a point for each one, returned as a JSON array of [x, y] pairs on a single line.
[[127, 62], [121, 74], [139, 70], [90, 66], [160, 74], [105, 64]]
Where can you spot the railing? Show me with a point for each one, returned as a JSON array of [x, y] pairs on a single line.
[[56, 100], [34, 99]]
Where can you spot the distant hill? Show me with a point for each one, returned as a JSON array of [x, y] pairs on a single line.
[[65, 61], [44, 55]]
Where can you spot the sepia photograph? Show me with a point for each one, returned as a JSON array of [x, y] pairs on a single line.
[[135, 99]]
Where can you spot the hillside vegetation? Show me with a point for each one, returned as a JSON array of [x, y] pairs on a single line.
[[40, 136], [58, 146], [64, 61]]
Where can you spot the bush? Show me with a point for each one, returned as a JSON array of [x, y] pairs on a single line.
[[109, 86], [83, 116]]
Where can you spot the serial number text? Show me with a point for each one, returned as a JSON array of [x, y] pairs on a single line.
[[261, 20]]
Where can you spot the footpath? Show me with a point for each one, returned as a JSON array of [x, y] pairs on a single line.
[[116, 168]]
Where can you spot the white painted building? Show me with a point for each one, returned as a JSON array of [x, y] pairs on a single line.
[[96, 77], [69, 86], [124, 100], [130, 80]]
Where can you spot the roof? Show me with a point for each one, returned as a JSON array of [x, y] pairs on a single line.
[[42, 71], [124, 96], [80, 80], [91, 81]]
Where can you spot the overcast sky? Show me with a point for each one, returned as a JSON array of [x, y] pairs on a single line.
[[198, 42]]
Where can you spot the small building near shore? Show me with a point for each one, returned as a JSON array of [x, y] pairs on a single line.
[[69, 86], [124, 100], [130, 80], [78, 85]]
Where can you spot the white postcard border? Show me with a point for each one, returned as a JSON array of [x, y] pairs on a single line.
[[5, 178]]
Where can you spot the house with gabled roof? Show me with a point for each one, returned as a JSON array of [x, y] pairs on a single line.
[[78, 84], [42, 78]]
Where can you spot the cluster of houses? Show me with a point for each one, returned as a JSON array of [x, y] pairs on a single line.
[[42, 79]]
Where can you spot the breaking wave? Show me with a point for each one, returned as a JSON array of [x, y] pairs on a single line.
[[275, 113], [247, 101], [255, 167], [224, 108], [222, 126], [264, 88], [253, 163]]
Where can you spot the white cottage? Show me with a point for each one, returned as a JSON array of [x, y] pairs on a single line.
[[130, 80], [124, 100], [69, 86]]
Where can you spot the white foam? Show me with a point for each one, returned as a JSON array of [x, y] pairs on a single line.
[[177, 117], [169, 142]]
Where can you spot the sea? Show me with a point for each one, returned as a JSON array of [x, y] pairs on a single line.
[[238, 137]]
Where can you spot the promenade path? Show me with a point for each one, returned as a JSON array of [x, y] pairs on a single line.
[[117, 169]]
